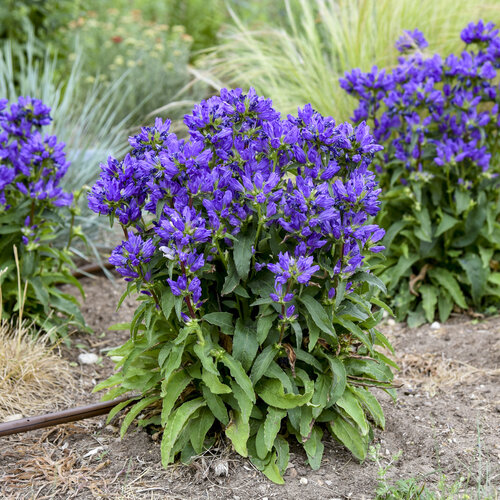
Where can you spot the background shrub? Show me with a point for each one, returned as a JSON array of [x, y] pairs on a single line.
[[152, 57], [438, 120]]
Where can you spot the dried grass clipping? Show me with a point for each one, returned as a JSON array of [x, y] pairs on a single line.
[[432, 372], [33, 378]]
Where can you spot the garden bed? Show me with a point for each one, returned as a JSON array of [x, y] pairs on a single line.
[[446, 421]]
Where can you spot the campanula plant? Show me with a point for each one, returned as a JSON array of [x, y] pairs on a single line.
[[438, 119], [34, 209], [248, 246]]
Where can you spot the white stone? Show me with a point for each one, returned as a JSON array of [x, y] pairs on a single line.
[[391, 321], [221, 468], [94, 451], [436, 325], [88, 358], [303, 480]]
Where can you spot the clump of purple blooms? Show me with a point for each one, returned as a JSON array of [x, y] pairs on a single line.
[[211, 204], [31, 163], [431, 110], [438, 119]]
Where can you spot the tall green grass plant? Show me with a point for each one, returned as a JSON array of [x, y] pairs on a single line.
[[302, 60]]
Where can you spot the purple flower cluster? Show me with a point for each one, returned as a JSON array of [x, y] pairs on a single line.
[[243, 171], [31, 164], [432, 109]]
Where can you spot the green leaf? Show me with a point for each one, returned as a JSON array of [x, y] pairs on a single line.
[[241, 292], [213, 383], [314, 332], [239, 374], [382, 305], [424, 231], [272, 472], [199, 429], [368, 368], [444, 278], [306, 421], [364, 277], [41, 292], [477, 275], [245, 404], [318, 314], [429, 301], [393, 231], [223, 320], [486, 256], [462, 201], [314, 448], [368, 400], [232, 278], [118, 408], [171, 389], [445, 305], [283, 449], [216, 405], [242, 253], [238, 431], [260, 447], [262, 362], [172, 354], [272, 425], [175, 423], [271, 391], [134, 411], [203, 351], [351, 406], [264, 324], [397, 271], [355, 330], [321, 394], [350, 436], [245, 344], [339, 378], [447, 222]]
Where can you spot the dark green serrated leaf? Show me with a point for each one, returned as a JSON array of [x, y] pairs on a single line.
[[174, 425], [239, 374], [314, 448], [271, 391], [318, 314], [350, 436], [245, 344], [242, 253], [216, 405], [262, 362], [429, 295], [134, 411], [223, 320], [477, 275], [444, 278], [200, 428], [272, 425]]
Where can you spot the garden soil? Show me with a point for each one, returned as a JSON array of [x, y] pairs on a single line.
[[446, 423]]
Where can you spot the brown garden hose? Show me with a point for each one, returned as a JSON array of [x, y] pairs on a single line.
[[60, 417]]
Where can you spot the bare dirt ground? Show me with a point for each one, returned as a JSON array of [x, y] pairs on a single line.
[[446, 422]]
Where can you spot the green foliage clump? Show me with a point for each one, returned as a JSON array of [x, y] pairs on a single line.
[[257, 316], [44, 17]]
